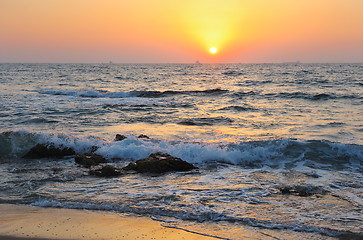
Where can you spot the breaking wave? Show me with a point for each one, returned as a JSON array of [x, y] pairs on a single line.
[[121, 94], [284, 153]]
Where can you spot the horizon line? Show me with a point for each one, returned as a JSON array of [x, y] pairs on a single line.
[[194, 63]]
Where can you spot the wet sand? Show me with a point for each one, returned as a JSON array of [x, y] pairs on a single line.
[[27, 222]]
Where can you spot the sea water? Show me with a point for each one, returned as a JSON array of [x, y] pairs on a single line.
[[279, 147]]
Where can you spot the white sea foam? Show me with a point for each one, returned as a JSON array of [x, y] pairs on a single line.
[[133, 148], [275, 153]]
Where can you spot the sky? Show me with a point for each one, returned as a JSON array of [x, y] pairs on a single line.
[[178, 31]]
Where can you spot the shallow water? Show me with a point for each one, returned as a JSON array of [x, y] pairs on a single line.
[[252, 129]]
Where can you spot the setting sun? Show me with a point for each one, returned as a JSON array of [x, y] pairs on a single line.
[[213, 50]]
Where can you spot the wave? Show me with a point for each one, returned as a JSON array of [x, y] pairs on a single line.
[[284, 153], [87, 94], [17, 143], [156, 94], [244, 94], [298, 95], [232, 73], [207, 92], [206, 121], [238, 108], [38, 120], [143, 94], [315, 97]]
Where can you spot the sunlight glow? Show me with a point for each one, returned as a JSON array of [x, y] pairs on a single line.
[[181, 31]]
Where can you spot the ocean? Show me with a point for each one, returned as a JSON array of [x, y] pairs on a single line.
[[279, 147]]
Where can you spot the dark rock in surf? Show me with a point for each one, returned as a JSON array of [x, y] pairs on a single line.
[[89, 159], [143, 136], [159, 163], [49, 150], [120, 137], [348, 235], [94, 149], [302, 191], [106, 171]]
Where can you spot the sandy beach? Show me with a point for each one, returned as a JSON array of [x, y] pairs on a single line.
[[27, 222]]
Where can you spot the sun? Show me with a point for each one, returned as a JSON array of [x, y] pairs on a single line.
[[213, 50]]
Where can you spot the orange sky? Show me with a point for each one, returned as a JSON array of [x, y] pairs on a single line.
[[181, 30]]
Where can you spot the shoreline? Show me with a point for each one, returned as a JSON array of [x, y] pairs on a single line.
[[18, 222]]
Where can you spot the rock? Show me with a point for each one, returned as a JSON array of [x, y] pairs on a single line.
[[302, 191], [120, 137], [106, 171], [348, 235], [94, 149], [89, 159], [143, 136], [159, 163], [49, 150], [285, 190]]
